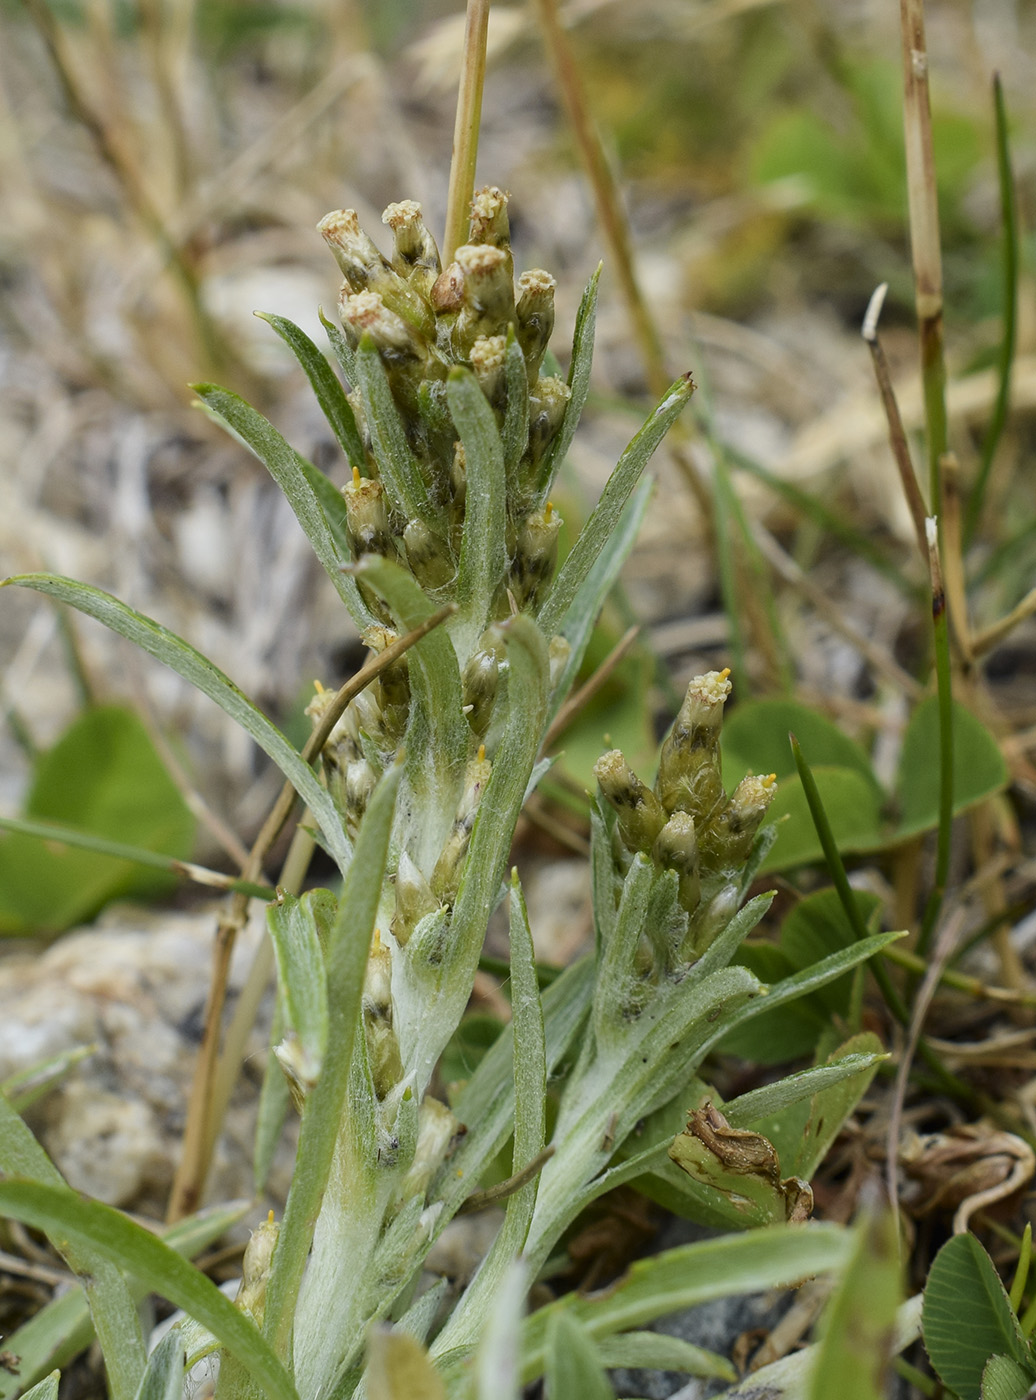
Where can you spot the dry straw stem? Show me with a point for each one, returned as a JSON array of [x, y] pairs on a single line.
[[465, 131], [589, 689], [924, 234], [202, 1125], [953, 560], [897, 433]]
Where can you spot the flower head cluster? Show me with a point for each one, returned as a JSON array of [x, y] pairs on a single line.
[[423, 320], [686, 822]]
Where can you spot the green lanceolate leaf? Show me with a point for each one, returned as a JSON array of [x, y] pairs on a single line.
[[397, 465], [344, 353], [482, 550], [438, 735], [853, 1357], [496, 1364], [530, 1125], [346, 958], [963, 1284], [514, 434], [571, 1366], [577, 625], [163, 1379], [301, 978], [46, 1389], [696, 1273], [607, 512], [182, 658], [63, 1329], [749, 1109], [123, 1243], [289, 469], [111, 1307], [329, 393], [502, 801], [658, 1351], [398, 1368], [578, 383]]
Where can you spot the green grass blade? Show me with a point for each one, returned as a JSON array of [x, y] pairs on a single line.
[[325, 384], [578, 383], [346, 957], [697, 1273], [289, 469], [126, 1245], [181, 657], [1008, 341], [63, 1329], [598, 529], [69, 836], [397, 466], [482, 550]]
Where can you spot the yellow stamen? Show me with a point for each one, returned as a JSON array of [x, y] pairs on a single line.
[[548, 510], [481, 753], [356, 476], [722, 675], [269, 1218], [318, 687], [770, 780]]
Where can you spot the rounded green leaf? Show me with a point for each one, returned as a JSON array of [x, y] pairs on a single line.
[[967, 1318]]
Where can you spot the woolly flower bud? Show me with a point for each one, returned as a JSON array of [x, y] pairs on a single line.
[[446, 875], [255, 1269], [429, 556], [640, 814], [436, 1128], [414, 899], [677, 849], [487, 361], [488, 295], [534, 314], [367, 313], [416, 257], [688, 768], [489, 222], [366, 270], [479, 682], [536, 551], [386, 1064], [366, 518], [727, 840], [558, 652], [547, 403]]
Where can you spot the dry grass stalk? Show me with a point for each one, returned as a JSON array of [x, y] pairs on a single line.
[[465, 132], [924, 234]]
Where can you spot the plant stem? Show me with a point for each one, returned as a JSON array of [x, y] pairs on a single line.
[[924, 235], [465, 131], [945, 690], [1009, 222]]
